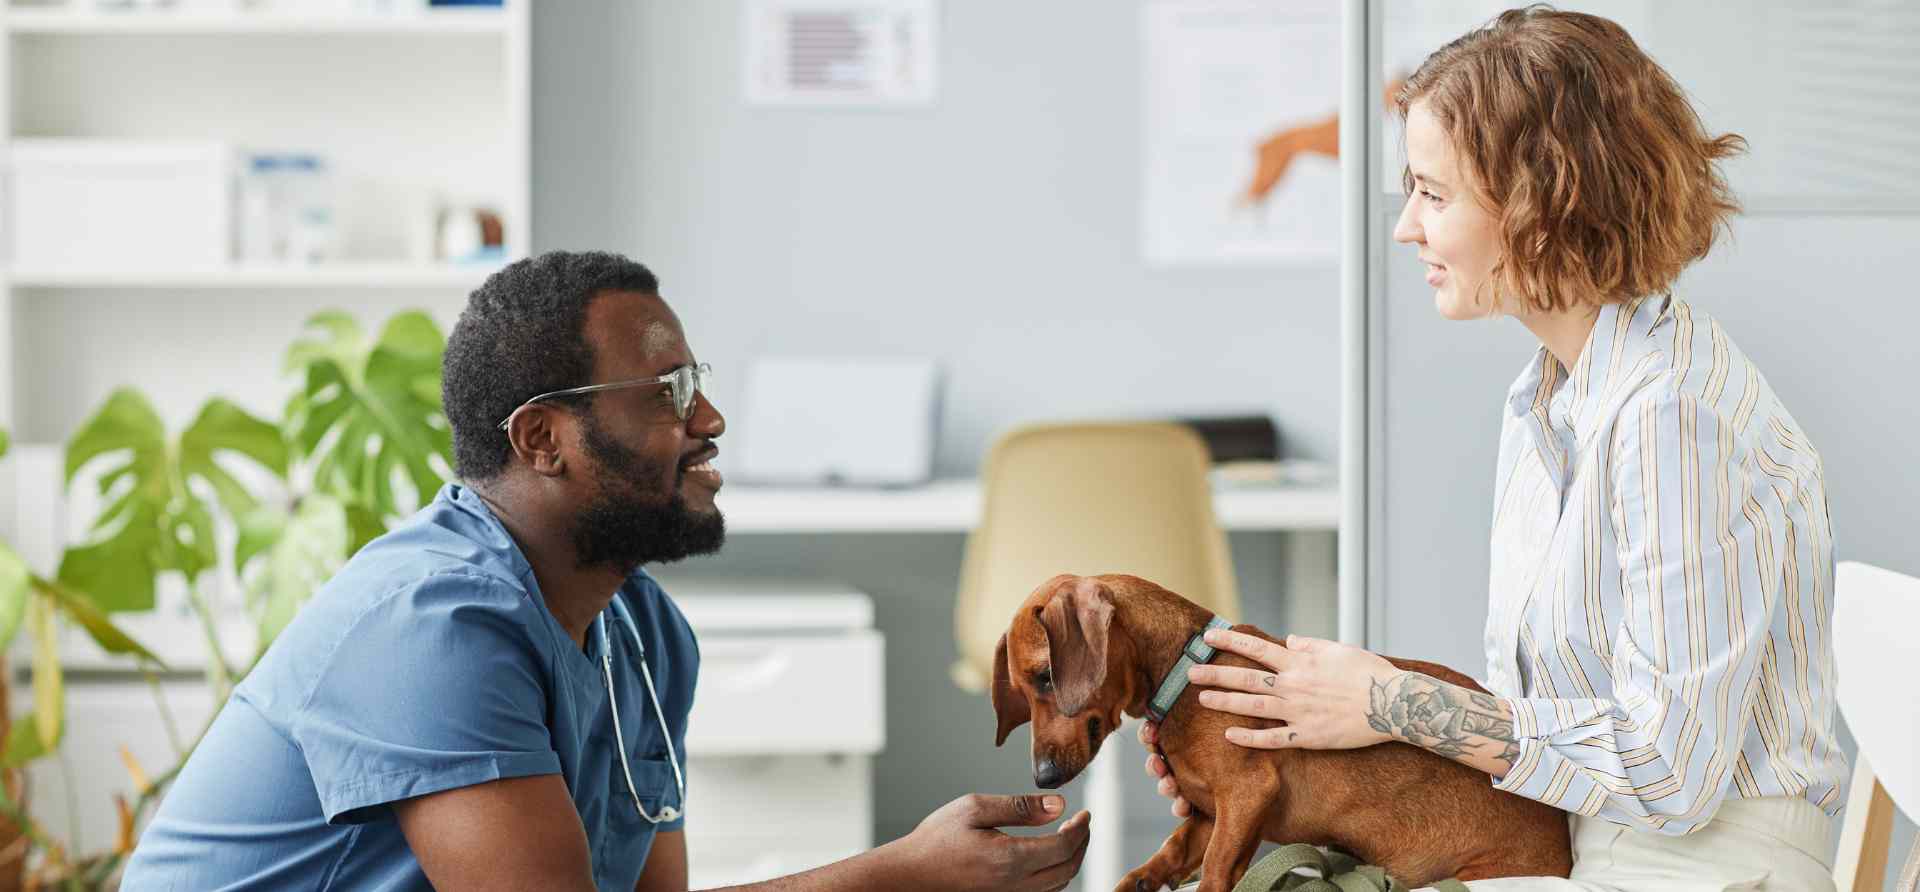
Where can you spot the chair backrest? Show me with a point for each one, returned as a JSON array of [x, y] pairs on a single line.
[[1876, 615], [1088, 499]]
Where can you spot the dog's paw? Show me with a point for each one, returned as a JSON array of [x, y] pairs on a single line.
[[1140, 881]]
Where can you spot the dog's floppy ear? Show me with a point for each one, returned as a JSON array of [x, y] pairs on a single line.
[[1077, 620], [1008, 703]]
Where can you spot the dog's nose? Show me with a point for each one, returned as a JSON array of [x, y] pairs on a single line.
[[1047, 775]]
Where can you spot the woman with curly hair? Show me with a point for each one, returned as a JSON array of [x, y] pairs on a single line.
[[1657, 642]]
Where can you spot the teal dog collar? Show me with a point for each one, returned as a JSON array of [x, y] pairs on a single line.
[[1197, 652]]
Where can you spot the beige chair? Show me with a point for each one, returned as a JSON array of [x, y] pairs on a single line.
[[1089, 499], [1875, 618]]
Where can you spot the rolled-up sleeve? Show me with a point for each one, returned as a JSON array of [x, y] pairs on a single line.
[[1699, 528]]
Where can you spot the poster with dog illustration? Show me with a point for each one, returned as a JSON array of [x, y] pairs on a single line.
[[1241, 132]]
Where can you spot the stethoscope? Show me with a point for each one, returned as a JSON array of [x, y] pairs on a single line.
[[669, 813]]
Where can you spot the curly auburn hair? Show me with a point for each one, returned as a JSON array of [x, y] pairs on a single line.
[[1605, 181]]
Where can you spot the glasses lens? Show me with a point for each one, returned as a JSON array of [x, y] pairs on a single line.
[[689, 381]]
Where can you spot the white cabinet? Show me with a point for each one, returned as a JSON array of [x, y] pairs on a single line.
[[787, 717]]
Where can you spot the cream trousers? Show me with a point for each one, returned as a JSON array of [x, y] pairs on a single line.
[[1773, 844]]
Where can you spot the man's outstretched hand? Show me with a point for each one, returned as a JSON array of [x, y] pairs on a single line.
[[960, 848]]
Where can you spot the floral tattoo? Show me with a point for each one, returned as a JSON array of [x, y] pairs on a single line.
[[1447, 719]]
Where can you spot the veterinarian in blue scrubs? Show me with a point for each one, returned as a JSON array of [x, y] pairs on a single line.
[[1662, 557], [495, 694]]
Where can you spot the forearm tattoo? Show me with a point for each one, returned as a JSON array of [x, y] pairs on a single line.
[[1447, 719]]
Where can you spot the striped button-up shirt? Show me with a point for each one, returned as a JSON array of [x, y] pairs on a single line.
[[1662, 580]]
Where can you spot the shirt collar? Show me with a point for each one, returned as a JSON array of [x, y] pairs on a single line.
[[501, 545], [1620, 338]]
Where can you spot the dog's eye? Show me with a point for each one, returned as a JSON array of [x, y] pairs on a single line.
[[1043, 680]]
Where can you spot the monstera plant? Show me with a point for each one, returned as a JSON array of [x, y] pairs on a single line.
[[362, 442]]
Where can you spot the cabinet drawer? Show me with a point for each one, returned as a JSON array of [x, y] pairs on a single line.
[[752, 818], [812, 802], [789, 694]]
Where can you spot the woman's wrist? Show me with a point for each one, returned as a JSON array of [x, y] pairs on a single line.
[[1468, 726]]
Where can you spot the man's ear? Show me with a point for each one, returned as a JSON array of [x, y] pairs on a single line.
[[1077, 620], [1008, 703], [534, 436]]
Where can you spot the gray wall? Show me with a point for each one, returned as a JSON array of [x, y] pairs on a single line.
[[996, 230]]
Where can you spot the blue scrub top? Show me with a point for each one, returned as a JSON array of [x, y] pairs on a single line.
[[429, 663]]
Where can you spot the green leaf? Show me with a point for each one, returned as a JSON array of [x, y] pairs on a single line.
[[82, 610], [49, 701], [15, 586], [370, 411], [310, 549], [118, 571], [363, 526], [155, 521], [118, 567], [126, 422], [257, 531], [4, 441], [225, 427], [23, 742]]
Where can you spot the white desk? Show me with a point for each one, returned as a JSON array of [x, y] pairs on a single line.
[[953, 506]]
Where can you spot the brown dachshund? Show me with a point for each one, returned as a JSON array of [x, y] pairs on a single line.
[[1083, 650]]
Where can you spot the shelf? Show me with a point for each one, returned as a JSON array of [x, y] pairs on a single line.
[[953, 506], [341, 275], [445, 21]]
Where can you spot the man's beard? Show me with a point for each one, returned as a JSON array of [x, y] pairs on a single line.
[[622, 528]]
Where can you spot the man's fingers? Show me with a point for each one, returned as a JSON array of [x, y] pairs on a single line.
[[1182, 808], [1156, 766], [1013, 811], [1168, 788], [1060, 873], [1036, 853], [1076, 824], [1149, 733]]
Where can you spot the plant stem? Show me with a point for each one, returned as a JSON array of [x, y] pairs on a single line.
[[111, 861], [12, 812], [218, 672], [166, 712], [73, 802], [105, 867]]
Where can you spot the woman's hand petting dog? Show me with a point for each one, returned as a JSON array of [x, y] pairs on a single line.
[[1321, 689]]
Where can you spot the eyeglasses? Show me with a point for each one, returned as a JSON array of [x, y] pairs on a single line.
[[687, 382]]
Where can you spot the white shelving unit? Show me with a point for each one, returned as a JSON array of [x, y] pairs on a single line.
[[87, 20], [332, 275], [433, 101]]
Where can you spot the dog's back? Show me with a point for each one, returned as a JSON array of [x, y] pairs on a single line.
[[1419, 815]]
